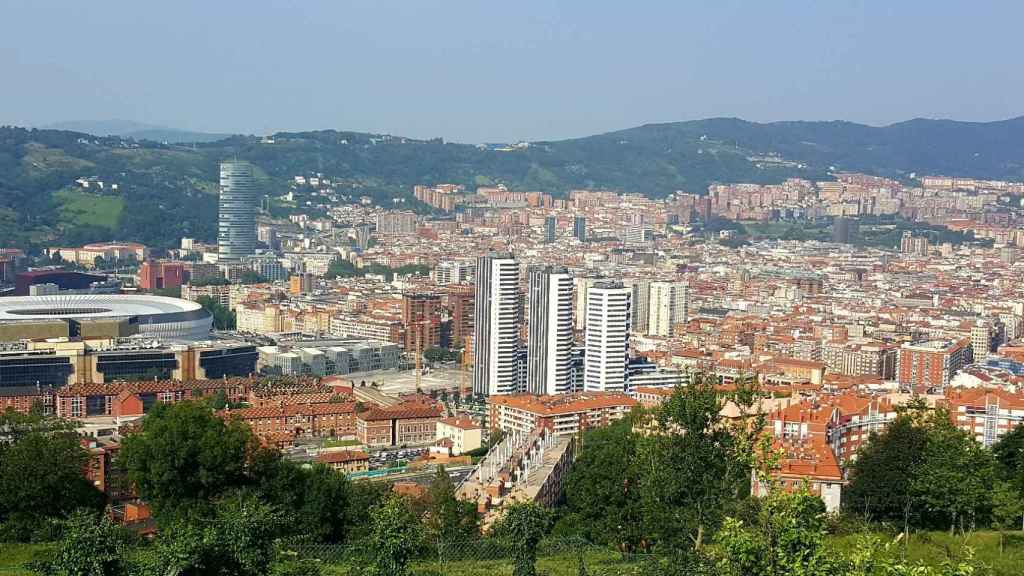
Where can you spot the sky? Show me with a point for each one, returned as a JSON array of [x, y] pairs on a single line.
[[482, 71]]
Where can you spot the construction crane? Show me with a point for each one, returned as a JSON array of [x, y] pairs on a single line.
[[419, 357], [464, 369]]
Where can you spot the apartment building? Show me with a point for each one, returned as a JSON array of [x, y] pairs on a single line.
[[564, 414], [861, 357], [929, 365], [407, 424]]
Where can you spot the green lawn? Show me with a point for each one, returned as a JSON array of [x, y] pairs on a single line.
[[84, 209], [934, 547], [930, 547], [341, 443], [13, 557]]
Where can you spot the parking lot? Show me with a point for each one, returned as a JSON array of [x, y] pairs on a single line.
[[396, 382]]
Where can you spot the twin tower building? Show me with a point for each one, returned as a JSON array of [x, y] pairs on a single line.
[[551, 363]]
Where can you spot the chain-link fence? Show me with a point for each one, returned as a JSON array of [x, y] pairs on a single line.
[[474, 557], [477, 557]]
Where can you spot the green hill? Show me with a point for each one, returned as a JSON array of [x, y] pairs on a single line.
[[165, 190]]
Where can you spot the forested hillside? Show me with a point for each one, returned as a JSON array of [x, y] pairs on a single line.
[[166, 191]]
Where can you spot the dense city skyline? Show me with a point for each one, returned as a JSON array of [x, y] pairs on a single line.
[[410, 325]]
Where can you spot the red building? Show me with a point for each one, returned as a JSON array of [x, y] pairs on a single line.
[[930, 365], [407, 424], [460, 306], [154, 275], [421, 314]]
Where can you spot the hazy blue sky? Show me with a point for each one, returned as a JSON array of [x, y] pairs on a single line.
[[494, 71]]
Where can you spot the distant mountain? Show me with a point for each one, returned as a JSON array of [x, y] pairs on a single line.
[[136, 130], [167, 190]]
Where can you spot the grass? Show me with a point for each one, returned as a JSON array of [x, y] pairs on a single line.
[[935, 547], [85, 209], [40, 160], [341, 443], [930, 547], [785, 229], [13, 557], [598, 562]]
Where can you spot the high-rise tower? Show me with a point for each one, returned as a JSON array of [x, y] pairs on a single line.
[[579, 228], [641, 288], [498, 312], [236, 226], [550, 229], [668, 305], [607, 339], [549, 348]]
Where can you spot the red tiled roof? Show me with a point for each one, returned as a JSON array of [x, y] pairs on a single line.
[[342, 456], [463, 423], [404, 411]]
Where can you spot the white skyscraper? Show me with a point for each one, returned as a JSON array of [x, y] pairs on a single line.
[[669, 305], [549, 356], [238, 204], [581, 287], [607, 339], [499, 317], [640, 303]]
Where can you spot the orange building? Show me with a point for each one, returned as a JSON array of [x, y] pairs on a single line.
[[421, 314], [346, 461], [562, 414], [930, 365], [407, 424]]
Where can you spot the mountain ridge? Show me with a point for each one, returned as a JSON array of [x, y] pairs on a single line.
[[167, 190], [135, 130]]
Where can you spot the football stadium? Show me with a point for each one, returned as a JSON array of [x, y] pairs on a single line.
[[102, 316]]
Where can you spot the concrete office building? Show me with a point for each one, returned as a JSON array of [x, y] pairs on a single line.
[[579, 228], [640, 304], [550, 229], [498, 317], [607, 338], [549, 356], [236, 227], [668, 306]]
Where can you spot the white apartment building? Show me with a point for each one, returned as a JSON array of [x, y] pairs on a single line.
[[499, 318], [669, 305], [549, 348], [607, 338]]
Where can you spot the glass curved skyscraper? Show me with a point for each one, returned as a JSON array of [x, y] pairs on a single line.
[[236, 230]]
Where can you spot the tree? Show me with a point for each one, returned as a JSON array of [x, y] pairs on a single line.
[[40, 479], [414, 269], [235, 538], [523, 526], [185, 456], [788, 538], [251, 277], [223, 318], [602, 492], [394, 537], [881, 478], [448, 518], [1009, 455], [340, 268], [364, 495], [694, 466], [1007, 510], [956, 476], [440, 355], [89, 546]]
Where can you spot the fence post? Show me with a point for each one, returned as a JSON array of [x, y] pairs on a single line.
[[441, 555], [580, 544]]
